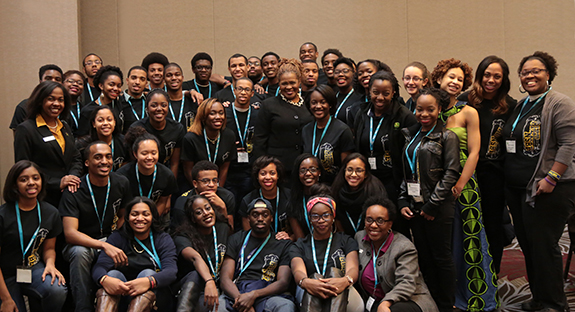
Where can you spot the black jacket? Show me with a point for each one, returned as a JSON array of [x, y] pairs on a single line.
[[438, 167]]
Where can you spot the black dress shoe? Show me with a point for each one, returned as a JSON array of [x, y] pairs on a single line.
[[531, 305]]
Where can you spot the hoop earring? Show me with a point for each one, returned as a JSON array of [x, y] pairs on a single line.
[[521, 89]]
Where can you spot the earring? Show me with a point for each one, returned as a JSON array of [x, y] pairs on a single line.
[[389, 231], [521, 89]]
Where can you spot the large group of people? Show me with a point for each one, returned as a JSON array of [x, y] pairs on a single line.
[[287, 185]]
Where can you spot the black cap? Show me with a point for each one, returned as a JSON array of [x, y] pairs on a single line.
[[260, 203]]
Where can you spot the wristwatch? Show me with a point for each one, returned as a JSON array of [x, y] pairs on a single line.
[[349, 279]]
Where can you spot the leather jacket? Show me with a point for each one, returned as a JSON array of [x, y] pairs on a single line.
[[438, 169]]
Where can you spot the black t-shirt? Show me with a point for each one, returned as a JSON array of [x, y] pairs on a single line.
[[248, 143], [410, 104], [182, 242], [272, 90], [90, 94], [208, 91], [11, 255], [20, 114], [119, 151], [133, 109], [266, 264], [344, 104], [381, 145], [338, 139], [194, 148], [519, 166], [177, 212], [284, 202], [84, 124], [164, 185], [227, 95], [341, 246], [79, 205], [170, 137], [185, 117]]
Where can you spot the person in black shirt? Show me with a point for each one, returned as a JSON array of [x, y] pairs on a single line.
[[309, 77], [200, 241], [28, 230], [89, 216], [202, 65], [169, 132], [133, 99], [415, 77], [182, 108], [91, 65], [49, 72], [154, 63], [270, 65], [237, 65], [306, 173], [365, 69], [327, 62], [324, 264], [255, 272], [255, 71], [74, 83], [344, 73], [308, 53]]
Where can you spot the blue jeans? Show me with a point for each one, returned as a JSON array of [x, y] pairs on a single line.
[[164, 296], [81, 260], [273, 304], [52, 297]]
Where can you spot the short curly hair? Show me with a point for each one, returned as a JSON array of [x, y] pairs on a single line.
[[445, 65], [549, 61], [107, 71]]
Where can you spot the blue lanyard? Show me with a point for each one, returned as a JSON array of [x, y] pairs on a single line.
[[315, 150], [112, 146], [20, 231], [100, 219], [209, 88], [277, 207], [153, 255], [521, 115], [181, 109], [277, 90], [153, 181], [216, 254], [143, 107], [306, 216], [372, 135], [324, 257], [208, 147], [374, 259], [233, 93], [90, 92], [78, 116], [355, 226], [243, 266], [342, 102], [243, 137], [411, 160]]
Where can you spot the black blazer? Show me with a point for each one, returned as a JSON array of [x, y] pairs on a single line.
[[29, 144]]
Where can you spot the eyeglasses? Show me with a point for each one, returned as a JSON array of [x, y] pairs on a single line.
[[207, 181], [312, 170], [203, 67], [90, 63], [357, 171], [379, 221], [315, 217], [339, 71], [415, 79], [254, 64], [242, 89], [534, 71], [72, 81]]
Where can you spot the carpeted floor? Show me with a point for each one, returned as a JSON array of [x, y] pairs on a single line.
[[513, 285]]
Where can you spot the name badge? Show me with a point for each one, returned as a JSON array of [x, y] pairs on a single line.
[[243, 158], [369, 303], [372, 163], [49, 138], [510, 146], [23, 275], [413, 189]]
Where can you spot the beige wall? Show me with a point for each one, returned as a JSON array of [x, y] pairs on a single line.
[[397, 32]]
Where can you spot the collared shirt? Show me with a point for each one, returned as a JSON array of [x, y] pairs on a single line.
[[368, 277], [57, 133]]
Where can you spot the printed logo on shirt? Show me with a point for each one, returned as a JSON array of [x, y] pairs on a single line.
[[116, 206], [189, 119], [338, 256], [34, 256], [156, 195], [118, 162], [225, 156], [222, 253], [249, 141], [271, 262], [326, 157], [169, 151], [532, 136], [494, 148], [386, 160]]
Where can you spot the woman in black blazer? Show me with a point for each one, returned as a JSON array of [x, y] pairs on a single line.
[[48, 142]]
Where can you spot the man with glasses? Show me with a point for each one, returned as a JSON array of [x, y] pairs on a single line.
[[206, 182], [202, 65], [255, 274], [91, 64]]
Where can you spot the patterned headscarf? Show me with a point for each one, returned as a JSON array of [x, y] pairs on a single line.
[[321, 199]]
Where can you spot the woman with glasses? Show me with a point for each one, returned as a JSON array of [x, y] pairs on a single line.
[[539, 172], [415, 77], [390, 279], [327, 138], [344, 74], [353, 184], [325, 264], [209, 139], [74, 83], [306, 173]]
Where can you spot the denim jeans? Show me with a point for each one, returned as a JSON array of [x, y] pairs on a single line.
[[81, 260], [273, 304], [52, 297]]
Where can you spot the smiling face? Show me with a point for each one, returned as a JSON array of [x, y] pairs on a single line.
[[173, 78], [328, 68], [29, 183], [308, 52], [53, 105], [343, 75], [289, 86], [260, 220], [534, 83], [147, 154], [238, 68], [492, 80], [243, 91], [158, 108], [270, 65], [323, 224], [318, 106], [100, 160], [203, 70], [136, 82], [104, 123], [156, 74], [74, 84], [381, 94], [452, 81], [355, 173], [204, 215], [364, 72], [140, 219], [206, 181], [111, 88], [413, 80], [377, 233], [216, 117], [268, 177], [426, 111], [309, 172]]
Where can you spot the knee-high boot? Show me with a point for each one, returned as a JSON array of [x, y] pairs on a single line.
[[106, 302], [143, 303], [311, 303], [188, 297]]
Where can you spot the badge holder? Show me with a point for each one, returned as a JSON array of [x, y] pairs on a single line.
[[414, 190], [243, 157], [369, 303], [23, 274], [511, 146], [372, 163]]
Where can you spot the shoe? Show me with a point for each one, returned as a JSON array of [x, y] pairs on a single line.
[[106, 302], [188, 298], [531, 305]]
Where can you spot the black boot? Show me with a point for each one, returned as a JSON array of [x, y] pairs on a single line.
[[188, 297]]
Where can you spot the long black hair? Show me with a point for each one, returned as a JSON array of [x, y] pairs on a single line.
[[11, 193], [156, 227], [370, 185]]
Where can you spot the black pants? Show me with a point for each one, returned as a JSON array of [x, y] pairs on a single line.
[[433, 242], [538, 230]]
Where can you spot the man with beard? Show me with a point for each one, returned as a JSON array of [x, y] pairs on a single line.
[[134, 100], [92, 64], [255, 273], [89, 216], [309, 77], [238, 67]]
